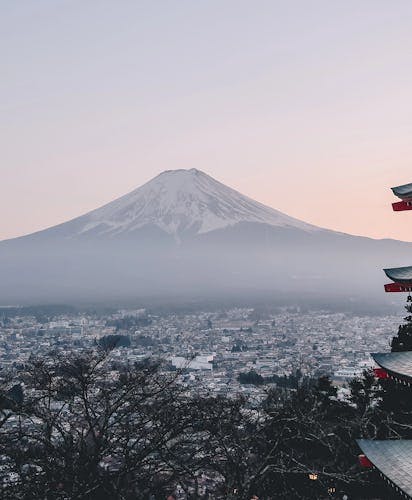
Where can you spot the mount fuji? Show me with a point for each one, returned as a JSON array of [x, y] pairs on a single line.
[[179, 203], [184, 233]]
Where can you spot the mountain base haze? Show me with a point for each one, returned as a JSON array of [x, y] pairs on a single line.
[[184, 233]]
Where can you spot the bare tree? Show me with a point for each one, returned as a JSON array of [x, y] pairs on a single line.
[[90, 432], [89, 429]]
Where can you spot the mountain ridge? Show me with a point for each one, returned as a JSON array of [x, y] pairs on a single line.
[[178, 202]]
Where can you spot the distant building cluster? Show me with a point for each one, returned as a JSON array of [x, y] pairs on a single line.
[[212, 348]]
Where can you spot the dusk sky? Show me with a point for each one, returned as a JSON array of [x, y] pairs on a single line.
[[303, 105]]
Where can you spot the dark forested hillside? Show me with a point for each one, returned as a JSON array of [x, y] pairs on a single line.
[[84, 430]]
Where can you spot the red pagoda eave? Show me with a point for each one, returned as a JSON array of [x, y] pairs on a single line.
[[399, 206], [382, 374], [398, 287]]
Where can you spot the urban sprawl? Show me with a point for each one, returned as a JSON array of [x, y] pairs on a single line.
[[211, 349]]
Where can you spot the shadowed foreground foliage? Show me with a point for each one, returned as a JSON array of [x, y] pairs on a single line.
[[86, 431]]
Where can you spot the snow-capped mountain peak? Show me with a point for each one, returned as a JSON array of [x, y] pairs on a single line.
[[183, 202]]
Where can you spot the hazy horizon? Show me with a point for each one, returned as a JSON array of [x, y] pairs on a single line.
[[109, 201]]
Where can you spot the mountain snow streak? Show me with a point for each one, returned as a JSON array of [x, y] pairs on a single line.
[[183, 201]]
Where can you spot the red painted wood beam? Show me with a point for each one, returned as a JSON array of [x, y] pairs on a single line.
[[380, 373], [398, 287], [399, 206], [365, 462]]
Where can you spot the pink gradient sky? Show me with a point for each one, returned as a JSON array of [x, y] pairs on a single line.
[[304, 106]]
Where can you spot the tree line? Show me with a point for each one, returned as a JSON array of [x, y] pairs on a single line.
[[74, 427]]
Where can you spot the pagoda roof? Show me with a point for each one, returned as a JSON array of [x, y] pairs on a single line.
[[404, 192], [399, 274], [393, 459], [398, 363]]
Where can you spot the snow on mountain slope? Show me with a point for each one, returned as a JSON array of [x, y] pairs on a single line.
[[182, 201]]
